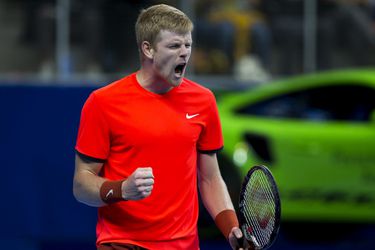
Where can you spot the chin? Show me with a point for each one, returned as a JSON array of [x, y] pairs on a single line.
[[176, 82]]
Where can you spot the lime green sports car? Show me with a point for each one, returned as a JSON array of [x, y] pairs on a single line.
[[316, 133]]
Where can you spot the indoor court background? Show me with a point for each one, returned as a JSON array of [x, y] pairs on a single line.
[[47, 70]]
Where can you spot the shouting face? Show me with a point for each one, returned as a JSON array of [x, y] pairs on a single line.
[[170, 56]]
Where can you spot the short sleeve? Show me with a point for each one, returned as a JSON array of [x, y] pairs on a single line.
[[211, 138], [93, 139]]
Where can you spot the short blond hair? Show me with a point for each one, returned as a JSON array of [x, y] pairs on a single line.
[[160, 17]]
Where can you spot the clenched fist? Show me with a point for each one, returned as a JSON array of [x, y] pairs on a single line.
[[139, 184]]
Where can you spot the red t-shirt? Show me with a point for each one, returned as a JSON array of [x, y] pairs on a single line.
[[129, 127]]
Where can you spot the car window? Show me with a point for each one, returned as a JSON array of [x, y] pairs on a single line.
[[341, 102]]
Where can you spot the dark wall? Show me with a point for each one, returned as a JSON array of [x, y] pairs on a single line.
[[38, 127]]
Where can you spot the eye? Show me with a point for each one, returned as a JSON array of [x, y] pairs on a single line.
[[174, 46]]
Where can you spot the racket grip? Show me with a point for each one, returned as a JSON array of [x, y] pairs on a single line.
[[240, 242]]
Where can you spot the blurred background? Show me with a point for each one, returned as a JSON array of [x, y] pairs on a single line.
[[53, 53]]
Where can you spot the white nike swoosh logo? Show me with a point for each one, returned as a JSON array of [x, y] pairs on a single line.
[[110, 192], [191, 116]]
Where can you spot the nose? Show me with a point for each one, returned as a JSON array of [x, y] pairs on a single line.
[[185, 51]]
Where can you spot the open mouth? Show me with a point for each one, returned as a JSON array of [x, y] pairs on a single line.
[[179, 70]]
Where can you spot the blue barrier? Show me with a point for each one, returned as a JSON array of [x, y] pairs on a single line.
[[38, 127]]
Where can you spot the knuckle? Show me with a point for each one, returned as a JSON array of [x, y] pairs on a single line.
[[138, 183]]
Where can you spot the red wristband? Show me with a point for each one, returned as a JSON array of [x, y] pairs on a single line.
[[225, 221], [110, 191]]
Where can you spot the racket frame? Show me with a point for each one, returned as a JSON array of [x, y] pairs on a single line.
[[275, 192]]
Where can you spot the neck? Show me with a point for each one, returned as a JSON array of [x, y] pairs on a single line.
[[151, 82]]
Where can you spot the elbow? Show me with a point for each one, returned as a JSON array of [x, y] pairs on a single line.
[[76, 191]]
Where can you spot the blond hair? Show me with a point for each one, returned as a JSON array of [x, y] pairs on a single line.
[[160, 17]]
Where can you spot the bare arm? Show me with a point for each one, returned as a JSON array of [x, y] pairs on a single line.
[[212, 187], [215, 194], [87, 183]]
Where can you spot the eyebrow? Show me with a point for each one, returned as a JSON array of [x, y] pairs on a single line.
[[181, 40]]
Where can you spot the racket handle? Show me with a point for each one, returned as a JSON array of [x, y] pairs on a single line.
[[240, 242]]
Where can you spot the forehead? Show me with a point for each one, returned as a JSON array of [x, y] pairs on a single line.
[[170, 36]]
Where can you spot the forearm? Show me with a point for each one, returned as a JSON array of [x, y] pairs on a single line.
[[86, 188], [215, 195]]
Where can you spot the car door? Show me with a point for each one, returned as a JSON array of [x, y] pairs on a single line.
[[320, 144]]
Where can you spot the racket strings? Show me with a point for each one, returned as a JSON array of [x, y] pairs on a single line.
[[261, 233], [260, 208], [262, 230]]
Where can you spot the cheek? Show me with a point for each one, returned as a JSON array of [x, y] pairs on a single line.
[[188, 55], [165, 62]]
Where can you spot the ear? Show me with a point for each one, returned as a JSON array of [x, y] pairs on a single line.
[[147, 50]]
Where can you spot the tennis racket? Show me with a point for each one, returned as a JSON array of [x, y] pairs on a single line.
[[259, 207]]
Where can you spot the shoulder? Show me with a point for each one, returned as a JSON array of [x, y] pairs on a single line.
[[114, 89], [115, 86], [196, 88]]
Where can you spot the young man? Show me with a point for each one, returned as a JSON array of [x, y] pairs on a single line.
[[144, 143]]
